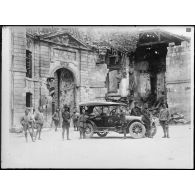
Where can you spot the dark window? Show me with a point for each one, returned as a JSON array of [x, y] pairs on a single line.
[[28, 100], [28, 64]]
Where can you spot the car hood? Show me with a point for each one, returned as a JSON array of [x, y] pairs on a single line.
[[129, 118]]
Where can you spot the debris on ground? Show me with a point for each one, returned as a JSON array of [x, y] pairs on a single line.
[[178, 118]]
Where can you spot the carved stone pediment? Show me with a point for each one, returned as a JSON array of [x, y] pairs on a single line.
[[66, 40]]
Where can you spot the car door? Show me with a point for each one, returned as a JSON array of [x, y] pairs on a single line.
[[113, 118], [98, 116]]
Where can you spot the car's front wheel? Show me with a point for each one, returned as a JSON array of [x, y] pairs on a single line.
[[137, 130], [89, 130]]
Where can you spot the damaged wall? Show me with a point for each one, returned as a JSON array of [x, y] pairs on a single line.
[[96, 77], [113, 82], [178, 78], [160, 84], [142, 79]]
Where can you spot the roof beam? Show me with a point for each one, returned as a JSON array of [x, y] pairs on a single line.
[[151, 43]]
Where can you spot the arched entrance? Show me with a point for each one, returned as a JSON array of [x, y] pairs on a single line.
[[65, 90]]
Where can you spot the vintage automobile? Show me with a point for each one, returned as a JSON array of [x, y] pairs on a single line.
[[103, 117]]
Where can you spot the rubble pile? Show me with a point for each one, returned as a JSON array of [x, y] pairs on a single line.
[[178, 118]]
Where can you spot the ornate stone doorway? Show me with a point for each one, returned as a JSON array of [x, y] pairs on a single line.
[[66, 89]]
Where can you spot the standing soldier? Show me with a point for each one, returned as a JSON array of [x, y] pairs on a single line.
[[56, 118], [32, 117], [39, 120], [123, 120], [82, 124], [164, 118], [25, 122], [75, 118], [146, 118], [65, 122]]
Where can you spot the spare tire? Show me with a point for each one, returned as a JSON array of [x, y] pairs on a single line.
[[137, 130]]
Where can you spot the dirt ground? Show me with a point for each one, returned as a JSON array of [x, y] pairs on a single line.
[[109, 152]]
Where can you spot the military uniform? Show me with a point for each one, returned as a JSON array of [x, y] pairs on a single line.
[[147, 120], [136, 111], [25, 122], [82, 125], [164, 117], [56, 119], [65, 123], [39, 120], [75, 118]]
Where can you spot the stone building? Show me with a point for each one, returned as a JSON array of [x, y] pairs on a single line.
[[54, 69], [51, 71]]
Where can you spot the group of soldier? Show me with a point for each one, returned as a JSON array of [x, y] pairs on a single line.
[[79, 121], [164, 116], [35, 120], [30, 121]]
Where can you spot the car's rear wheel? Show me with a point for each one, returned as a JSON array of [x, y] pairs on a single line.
[[89, 130], [137, 130], [102, 134]]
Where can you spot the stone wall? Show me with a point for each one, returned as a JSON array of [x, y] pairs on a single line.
[[178, 78], [160, 85], [18, 70], [142, 79], [93, 77]]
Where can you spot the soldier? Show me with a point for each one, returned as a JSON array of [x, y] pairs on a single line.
[[56, 118], [146, 117], [82, 124], [32, 123], [66, 121], [128, 111], [75, 118], [164, 118], [123, 120], [25, 122], [136, 111], [39, 120]]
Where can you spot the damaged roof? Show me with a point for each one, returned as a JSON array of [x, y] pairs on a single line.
[[125, 42]]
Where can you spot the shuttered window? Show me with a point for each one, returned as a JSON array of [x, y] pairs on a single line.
[[28, 64], [28, 100]]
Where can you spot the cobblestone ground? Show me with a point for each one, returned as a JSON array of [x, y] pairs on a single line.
[[109, 152]]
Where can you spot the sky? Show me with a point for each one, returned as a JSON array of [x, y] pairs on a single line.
[[179, 30]]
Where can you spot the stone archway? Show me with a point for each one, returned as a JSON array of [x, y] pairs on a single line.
[[67, 65], [65, 89], [54, 76]]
